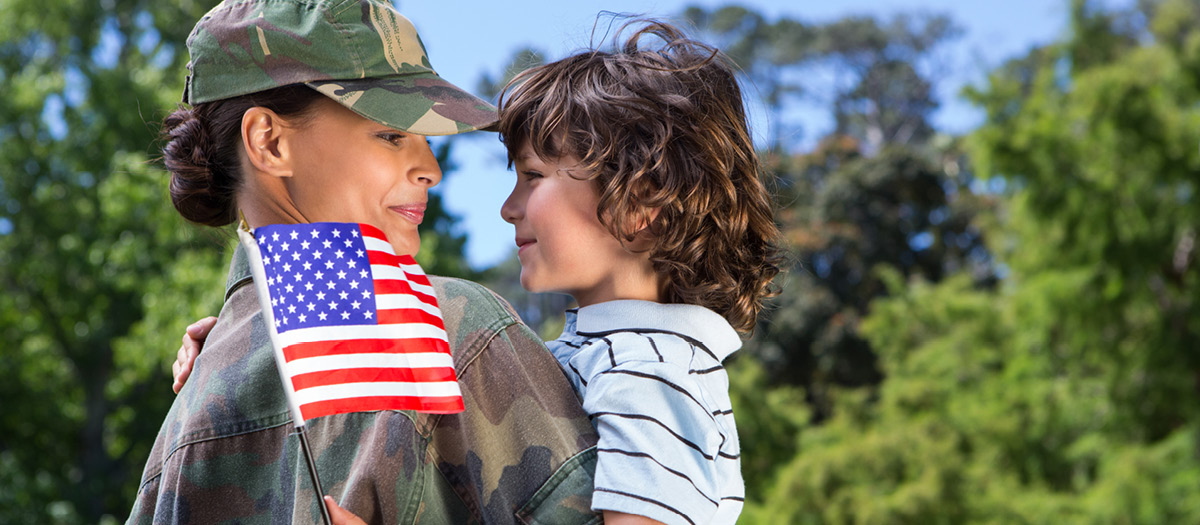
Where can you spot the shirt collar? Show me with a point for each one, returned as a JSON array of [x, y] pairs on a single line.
[[239, 271], [689, 320]]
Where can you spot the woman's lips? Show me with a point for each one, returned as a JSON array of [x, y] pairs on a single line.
[[413, 212]]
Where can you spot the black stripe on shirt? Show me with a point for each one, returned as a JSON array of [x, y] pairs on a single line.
[[654, 347], [707, 370], [612, 358], [722, 412], [727, 455], [647, 500], [666, 468], [657, 422], [663, 381], [644, 331], [576, 370]]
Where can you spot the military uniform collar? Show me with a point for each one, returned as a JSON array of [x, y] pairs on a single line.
[[239, 271]]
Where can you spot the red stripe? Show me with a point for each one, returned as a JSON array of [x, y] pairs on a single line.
[[396, 286], [371, 231], [372, 375], [366, 346], [409, 316], [432, 405], [388, 259]]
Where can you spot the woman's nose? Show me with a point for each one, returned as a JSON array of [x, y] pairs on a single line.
[[426, 171]]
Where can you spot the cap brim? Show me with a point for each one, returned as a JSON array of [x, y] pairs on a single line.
[[420, 103]]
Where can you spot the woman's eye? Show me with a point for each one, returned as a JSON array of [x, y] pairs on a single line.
[[395, 138]]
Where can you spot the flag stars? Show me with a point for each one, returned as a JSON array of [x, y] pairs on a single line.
[[352, 263], [295, 256], [288, 288], [299, 276], [287, 267], [353, 285], [331, 284], [343, 295], [320, 296], [303, 245], [291, 308], [319, 275], [354, 233], [346, 315], [316, 255], [341, 275], [307, 265], [311, 307], [303, 318], [277, 257], [356, 304], [275, 237], [315, 233], [299, 298], [308, 286], [322, 316], [285, 245], [336, 234], [363, 274], [326, 243], [332, 305], [339, 254], [367, 314], [349, 243], [366, 295], [294, 235], [328, 265]]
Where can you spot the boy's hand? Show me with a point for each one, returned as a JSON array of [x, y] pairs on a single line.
[[341, 516], [193, 340]]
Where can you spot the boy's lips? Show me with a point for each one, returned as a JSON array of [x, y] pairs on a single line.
[[523, 243], [413, 212]]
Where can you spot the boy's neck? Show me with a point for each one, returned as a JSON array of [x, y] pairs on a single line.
[[643, 284]]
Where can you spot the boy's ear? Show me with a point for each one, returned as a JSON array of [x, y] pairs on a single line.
[[265, 138]]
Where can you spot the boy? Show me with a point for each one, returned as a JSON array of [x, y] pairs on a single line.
[[638, 194]]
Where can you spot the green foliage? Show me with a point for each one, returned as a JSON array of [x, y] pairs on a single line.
[[1056, 396]]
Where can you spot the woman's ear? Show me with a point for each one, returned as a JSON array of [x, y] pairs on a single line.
[[264, 137]]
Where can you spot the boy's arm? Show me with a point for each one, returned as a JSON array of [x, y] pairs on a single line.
[[612, 517]]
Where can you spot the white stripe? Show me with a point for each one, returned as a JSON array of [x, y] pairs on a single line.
[[326, 363], [358, 332], [414, 269], [403, 302], [392, 272], [352, 390], [378, 245]]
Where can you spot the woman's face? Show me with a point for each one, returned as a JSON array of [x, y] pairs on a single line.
[[348, 168]]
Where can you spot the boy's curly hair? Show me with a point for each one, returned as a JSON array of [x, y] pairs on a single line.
[[663, 133]]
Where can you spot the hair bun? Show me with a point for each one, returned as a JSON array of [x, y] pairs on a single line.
[[201, 191]]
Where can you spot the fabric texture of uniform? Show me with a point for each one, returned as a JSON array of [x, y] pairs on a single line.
[[522, 452], [651, 379], [361, 53]]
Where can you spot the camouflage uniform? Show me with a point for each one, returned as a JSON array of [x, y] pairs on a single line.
[[522, 452]]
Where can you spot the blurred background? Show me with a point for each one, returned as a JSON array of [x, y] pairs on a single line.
[[989, 316]]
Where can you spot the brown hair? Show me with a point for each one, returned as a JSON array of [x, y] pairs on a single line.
[[661, 129], [203, 149]]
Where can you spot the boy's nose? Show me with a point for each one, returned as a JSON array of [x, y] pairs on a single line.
[[510, 211]]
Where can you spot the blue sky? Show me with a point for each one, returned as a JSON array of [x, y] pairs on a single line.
[[465, 39]]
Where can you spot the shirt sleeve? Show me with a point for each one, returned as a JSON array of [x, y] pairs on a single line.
[[659, 443]]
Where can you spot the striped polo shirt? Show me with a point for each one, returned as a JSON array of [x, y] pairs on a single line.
[[651, 379]]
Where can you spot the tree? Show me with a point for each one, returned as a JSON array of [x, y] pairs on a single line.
[[1053, 396]]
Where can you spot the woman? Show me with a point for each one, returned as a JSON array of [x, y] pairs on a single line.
[[315, 110]]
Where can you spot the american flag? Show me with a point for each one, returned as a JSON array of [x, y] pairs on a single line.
[[356, 327]]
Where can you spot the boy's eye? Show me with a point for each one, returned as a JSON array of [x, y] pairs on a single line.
[[530, 175]]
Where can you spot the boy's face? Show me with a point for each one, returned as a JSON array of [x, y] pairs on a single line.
[[561, 243]]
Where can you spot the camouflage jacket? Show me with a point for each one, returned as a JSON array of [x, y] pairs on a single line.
[[522, 452]]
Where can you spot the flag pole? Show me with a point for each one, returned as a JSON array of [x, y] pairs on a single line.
[[264, 300], [312, 471]]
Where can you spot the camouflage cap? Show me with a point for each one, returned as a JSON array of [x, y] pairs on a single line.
[[361, 53]]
